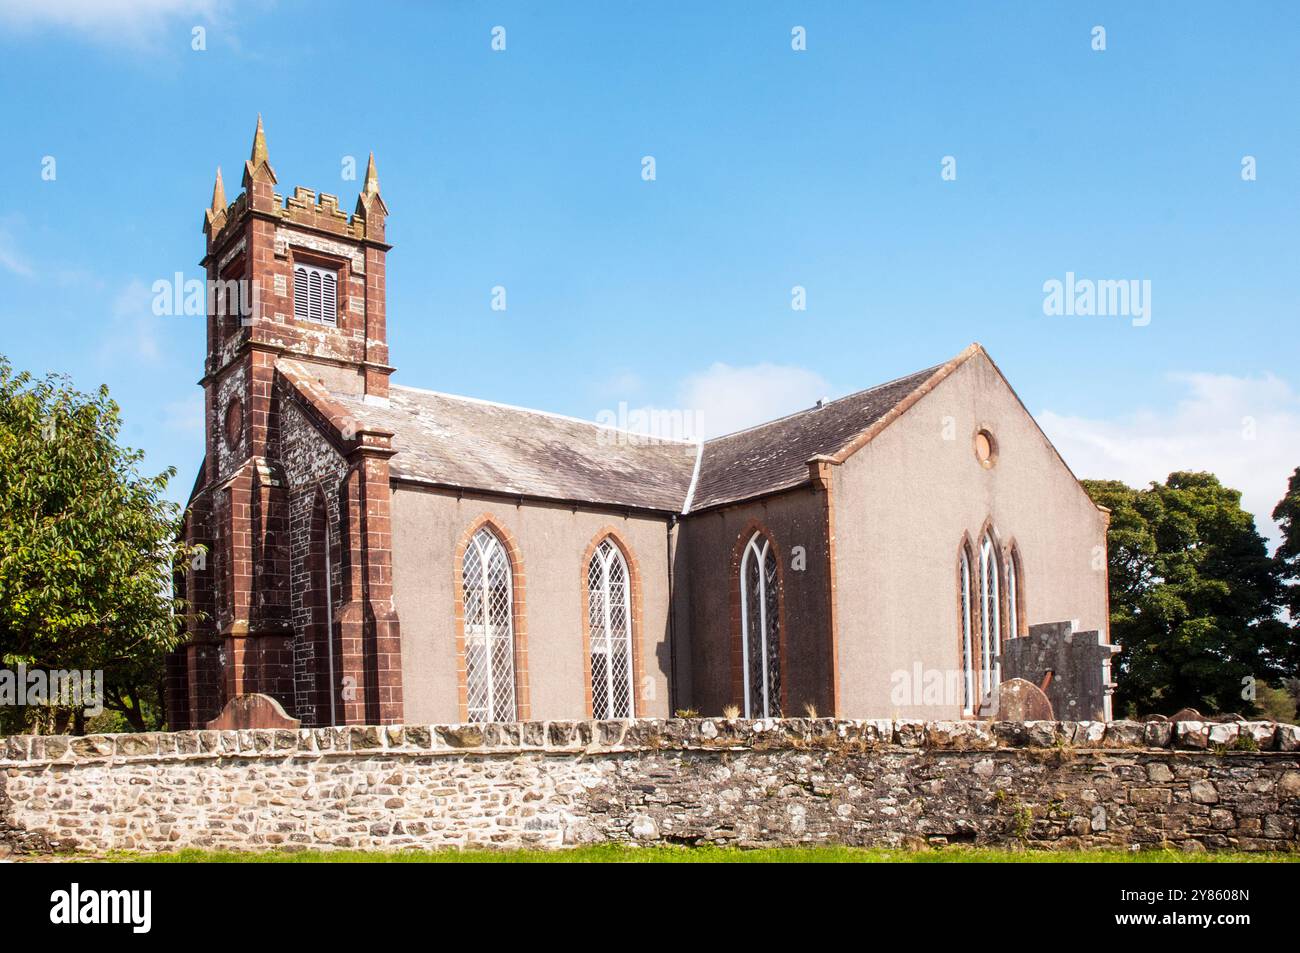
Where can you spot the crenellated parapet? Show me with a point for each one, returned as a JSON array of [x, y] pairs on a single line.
[[305, 208]]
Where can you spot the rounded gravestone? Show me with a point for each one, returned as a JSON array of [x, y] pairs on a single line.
[[1022, 700], [252, 711]]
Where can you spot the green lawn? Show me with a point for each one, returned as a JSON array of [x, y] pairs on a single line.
[[706, 855]]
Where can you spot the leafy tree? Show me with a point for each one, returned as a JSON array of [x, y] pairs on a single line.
[[87, 547], [1287, 514], [1194, 596], [1276, 704]]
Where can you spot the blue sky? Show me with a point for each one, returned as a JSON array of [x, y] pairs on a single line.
[[775, 168]]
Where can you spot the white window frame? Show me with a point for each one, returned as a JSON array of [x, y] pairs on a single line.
[[757, 548], [1013, 595], [602, 639], [318, 304], [967, 643], [487, 545], [990, 616]]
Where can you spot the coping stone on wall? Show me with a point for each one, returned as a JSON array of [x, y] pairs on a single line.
[[646, 735]]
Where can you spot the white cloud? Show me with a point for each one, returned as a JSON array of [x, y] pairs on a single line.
[[106, 19], [10, 258], [1245, 430], [716, 401], [619, 384], [133, 332], [724, 399]]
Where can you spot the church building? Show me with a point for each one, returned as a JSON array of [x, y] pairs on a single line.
[[380, 553]]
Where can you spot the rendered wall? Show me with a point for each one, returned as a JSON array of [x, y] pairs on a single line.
[[552, 540], [902, 505], [707, 545]]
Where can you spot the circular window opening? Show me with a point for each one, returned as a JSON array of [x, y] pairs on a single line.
[[986, 448], [234, 423]]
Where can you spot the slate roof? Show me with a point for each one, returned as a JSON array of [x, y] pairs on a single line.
[[474, 444], [774, 456], [478, 445]]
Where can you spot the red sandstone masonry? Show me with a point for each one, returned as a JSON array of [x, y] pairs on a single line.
[[251, 636]]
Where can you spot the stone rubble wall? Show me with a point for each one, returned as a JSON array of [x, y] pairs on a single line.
[[1190, 785]]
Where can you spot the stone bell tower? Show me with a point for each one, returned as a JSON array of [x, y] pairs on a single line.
[[294, 279], [312, 278]]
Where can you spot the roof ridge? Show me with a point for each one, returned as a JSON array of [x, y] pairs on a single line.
[[544, 413], [695, 479], [812, 409]]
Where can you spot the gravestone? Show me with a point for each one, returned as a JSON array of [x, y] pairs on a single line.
[[1078, 661], [252, 711], [1020, 700]]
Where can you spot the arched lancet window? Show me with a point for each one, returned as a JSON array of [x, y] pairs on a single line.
[[967, 643], [609, 626], [489, 629], [760, 629], [325, 647], [990, 615], [1015, 601]]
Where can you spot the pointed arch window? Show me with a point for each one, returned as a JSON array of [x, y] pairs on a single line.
[[967, 642], [487, 579], [990, 615], [315, 294], [1015, 598], [609, 621], [760, 613], [324, 644]]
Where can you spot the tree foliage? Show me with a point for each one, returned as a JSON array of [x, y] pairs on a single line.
[[87, 544], [1194, 597], [1287, 515]]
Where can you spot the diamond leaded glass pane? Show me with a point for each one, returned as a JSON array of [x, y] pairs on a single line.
[[620, 636], [477, 676], [609, 634], [489, 630]]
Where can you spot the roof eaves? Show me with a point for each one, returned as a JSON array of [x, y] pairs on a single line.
[[621, 507], [1046, 439], [775, 489], [344, 431], [900, 408]]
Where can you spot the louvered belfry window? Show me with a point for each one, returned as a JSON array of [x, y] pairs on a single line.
[[489, 629], [609, 620], [315, 295], [760, 621]]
